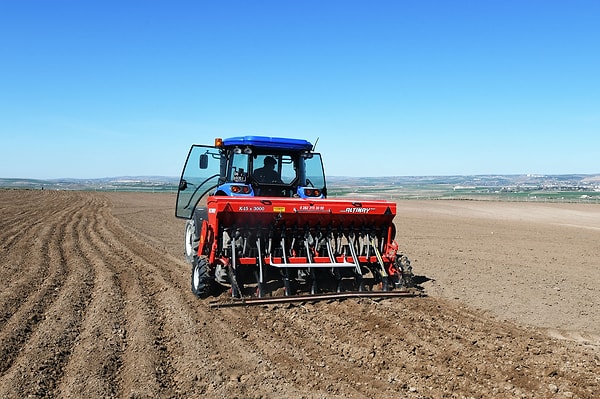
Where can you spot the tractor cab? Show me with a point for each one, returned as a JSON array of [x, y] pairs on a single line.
[[250, 166]]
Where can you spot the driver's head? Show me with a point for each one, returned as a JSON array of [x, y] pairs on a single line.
[[270, 161]]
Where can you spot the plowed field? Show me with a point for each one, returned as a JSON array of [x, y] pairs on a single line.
[[95, 303]]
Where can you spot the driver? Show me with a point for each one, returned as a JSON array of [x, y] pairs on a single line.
[[268, 174]]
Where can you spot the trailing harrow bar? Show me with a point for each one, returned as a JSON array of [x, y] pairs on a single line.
[[316, 297]]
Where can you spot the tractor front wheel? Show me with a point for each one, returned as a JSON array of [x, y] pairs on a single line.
[[201, 279], [191, 240]]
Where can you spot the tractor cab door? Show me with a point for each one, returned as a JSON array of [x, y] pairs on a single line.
[[313, 174], [200, 175]]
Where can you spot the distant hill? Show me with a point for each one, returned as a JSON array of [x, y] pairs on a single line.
[[121, 183], [472, 180], [528, 186]]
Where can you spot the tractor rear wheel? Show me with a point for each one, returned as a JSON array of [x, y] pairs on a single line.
[[201, 279]]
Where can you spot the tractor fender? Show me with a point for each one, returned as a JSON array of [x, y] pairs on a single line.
[[195, 233], [199, 215]]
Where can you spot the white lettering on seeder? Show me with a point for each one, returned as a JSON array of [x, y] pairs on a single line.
[[359, 210]]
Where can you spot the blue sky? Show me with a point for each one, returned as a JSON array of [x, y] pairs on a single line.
[[390, 88]]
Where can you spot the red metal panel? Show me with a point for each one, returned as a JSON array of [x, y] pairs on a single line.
[[331, 212]]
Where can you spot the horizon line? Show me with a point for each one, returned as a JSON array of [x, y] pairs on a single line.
[[330, 176]]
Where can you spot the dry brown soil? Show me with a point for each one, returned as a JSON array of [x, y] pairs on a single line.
[[95, 303]]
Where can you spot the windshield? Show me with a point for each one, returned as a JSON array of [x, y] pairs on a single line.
[[200, 175], [314, 172], [238, 171]]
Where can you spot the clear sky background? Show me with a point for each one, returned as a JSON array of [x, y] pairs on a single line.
[[391, 88]]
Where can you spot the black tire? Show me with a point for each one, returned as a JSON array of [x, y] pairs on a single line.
[[191, 240], [202, 282]]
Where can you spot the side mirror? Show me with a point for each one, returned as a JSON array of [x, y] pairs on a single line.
[[203, 161]]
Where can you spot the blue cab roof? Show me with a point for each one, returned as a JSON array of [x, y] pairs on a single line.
[[269, 142]]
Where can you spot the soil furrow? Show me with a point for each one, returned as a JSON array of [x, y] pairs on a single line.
[[14, 209], [145, 276], [26, 270], [40, 365], [29, 310], [172, 269], [30, 264], [102, 331], [13, 233], [20, 236], [138, 375]]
